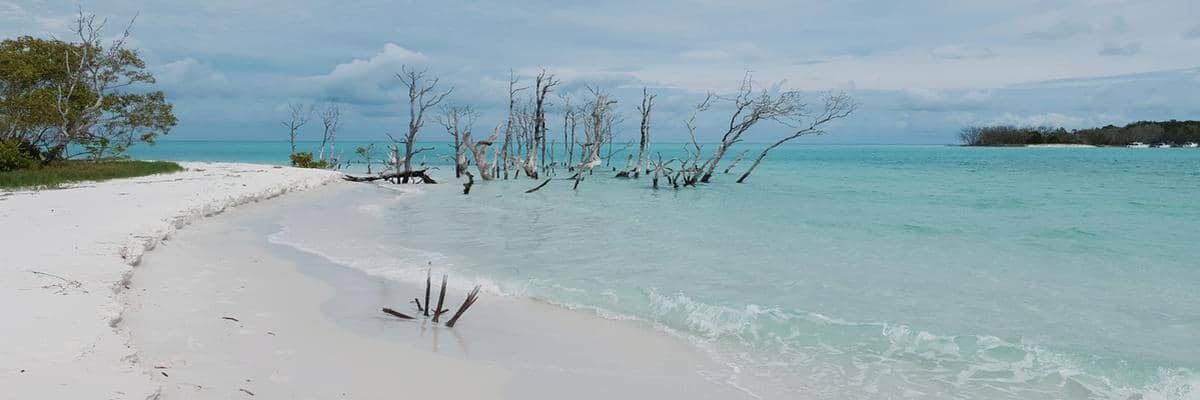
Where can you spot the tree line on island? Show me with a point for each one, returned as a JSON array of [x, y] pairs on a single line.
[[1173, 132], [523, 146]]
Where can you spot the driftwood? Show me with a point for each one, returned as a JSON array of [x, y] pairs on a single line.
[[539, 187], [428, 283], [396, 314], [471, 297], [437, 313], [392, 176]]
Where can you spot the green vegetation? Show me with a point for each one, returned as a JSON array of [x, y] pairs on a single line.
[[88, 96], [13, 157], [304, 159], [57, 173], [1170, 132]]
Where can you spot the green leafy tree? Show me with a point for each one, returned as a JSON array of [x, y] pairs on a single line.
[[89, 94], [368, 154]]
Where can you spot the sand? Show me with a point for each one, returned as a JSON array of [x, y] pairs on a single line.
[[65, 259], [216, 311], [221, 310]]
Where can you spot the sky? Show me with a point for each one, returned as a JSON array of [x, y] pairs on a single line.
[[920, 70]]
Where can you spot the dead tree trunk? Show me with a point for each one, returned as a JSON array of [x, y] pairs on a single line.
[[508, 130], [736, 161], [404, 176], [543, 84], [470, 182], [479, 150], [644, 142]]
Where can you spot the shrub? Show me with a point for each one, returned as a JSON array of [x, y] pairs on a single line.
[[304, 159], [13, 156]]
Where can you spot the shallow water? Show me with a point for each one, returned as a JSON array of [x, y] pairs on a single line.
[[847, 271]]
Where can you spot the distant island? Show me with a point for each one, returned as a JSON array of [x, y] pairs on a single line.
[[1172, 133]]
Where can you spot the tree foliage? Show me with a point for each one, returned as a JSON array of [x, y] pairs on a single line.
[[85, 96], [1171, 132]]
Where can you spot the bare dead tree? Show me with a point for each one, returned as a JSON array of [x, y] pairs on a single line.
[[660, 167], [568, 129], [612, 121], [423, 94], [523, 122], [543, 84], [595, 131], [752, 106], [690, 168], [459, 120], [331, 118], [298, 116], [837, 106], [644, 141], [508, 130]]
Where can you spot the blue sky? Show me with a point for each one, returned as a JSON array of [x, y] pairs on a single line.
[[920, 69]]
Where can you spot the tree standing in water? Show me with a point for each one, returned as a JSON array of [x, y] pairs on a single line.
[[423, 94]]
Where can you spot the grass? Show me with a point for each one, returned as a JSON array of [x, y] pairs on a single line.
[[60, 173]]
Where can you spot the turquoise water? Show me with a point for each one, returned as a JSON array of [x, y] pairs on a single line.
[[845, 271]]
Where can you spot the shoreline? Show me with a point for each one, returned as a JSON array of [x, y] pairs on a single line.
[[506, 347], [66, 268]]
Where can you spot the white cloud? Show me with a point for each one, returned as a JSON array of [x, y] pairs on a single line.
[[367, 81], [189, 77]]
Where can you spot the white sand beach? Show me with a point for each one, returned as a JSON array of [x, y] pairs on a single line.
[[216, 311], [68, 255]]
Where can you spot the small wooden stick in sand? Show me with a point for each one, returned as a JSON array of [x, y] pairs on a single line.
[[437, 312], [396, 314], [474, 295]]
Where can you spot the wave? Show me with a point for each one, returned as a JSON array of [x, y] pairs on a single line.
[[375, 260], [882, 355], [812, 353]]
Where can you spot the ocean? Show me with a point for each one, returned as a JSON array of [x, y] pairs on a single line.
[[840, 272]]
